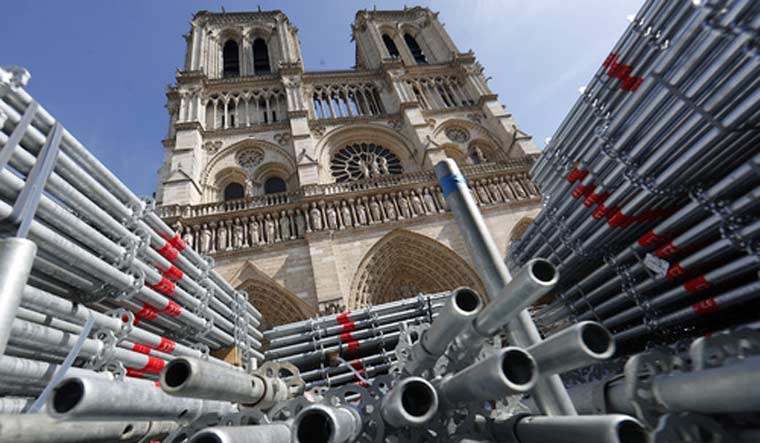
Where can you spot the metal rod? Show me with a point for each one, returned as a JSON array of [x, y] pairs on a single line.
[[413, 401], [326, 424], [272, 433], [550, 393], [510, 371], [16, 258], [96, 399], [580, 345]]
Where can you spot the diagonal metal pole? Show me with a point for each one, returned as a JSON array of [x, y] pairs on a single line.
[[551, 395]]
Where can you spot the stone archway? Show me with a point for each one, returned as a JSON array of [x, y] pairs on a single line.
[[277, 304], [403, 264]]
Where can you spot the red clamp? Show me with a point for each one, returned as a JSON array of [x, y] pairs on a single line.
[[141, 349], [147, 313], [132, 372], [154, 365], [674, 271], [164, 286], [168, 252], [705, 306], [666, 251], [697, 284], [346, 337], [349, 326], [173, 273], [343, 318], [651, 238], [583, 191], [352, 346], [172, 309], [166, 346]]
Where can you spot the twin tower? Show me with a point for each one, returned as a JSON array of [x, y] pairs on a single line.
[[265, 162]]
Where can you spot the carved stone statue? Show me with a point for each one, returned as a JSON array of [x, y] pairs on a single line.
[[254, 231], [332, 218], [269, 229], [519, 189], [285, 226], [315, 216], [300, 224], [345, 214], [495, 191], [374, 209], [383, 163], [403, 206], [238, 235], [375, 167], [482, 193], [364, 168], [187, 236], [221, 237], [361, 213], [507, 190], [429, 202], [205, 239], [390, 209], [477, 155], [417, 204]]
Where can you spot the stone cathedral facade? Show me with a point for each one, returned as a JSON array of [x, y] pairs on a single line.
[[314, 191]]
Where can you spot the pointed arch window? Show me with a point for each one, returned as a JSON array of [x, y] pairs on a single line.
[[231, 62], [260, 57], [390, 45], [233, 191], [274, 185], [415, 49]]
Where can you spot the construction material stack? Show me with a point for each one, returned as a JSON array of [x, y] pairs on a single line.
[[94, 285], [648, 240]]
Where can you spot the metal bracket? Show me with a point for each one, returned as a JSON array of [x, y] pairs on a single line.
[[29, 197]]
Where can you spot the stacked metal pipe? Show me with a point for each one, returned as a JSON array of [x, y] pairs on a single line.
[[98, 294], [652, 191], [353, 346]]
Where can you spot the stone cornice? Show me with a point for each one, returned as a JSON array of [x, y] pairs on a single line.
[[188, 126], [205, 213], [258, 127], [296, 219]]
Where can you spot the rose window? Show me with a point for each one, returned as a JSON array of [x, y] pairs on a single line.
[[364, 160]]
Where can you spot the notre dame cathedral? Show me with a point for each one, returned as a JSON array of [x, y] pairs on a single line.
[[315, 191]]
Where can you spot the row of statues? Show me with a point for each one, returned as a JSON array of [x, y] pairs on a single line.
[[293, 223]]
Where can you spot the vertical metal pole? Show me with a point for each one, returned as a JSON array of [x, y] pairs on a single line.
[[16, 258], [551, 395]]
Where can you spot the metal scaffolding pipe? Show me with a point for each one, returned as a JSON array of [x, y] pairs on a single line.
[[413, 402], [582, 344], [509, 372], [578, 429], [327, 424], [87, 398], [273, 433], [195, 378], [16, 258], [551, 395], [39, 428]]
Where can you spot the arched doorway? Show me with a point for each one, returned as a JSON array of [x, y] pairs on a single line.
[[403, 264]]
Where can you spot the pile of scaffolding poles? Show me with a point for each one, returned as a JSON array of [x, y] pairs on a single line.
[[652, 193], [95, 285], [353, 346]]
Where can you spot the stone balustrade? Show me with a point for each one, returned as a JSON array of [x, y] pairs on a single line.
[[276, 218]]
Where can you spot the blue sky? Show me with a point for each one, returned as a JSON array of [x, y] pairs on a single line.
[[101, 67]]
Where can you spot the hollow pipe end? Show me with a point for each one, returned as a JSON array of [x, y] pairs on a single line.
[[596, 340], [466, 301], [65, 397], [517, 369], [543, 272], [175, 374]]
